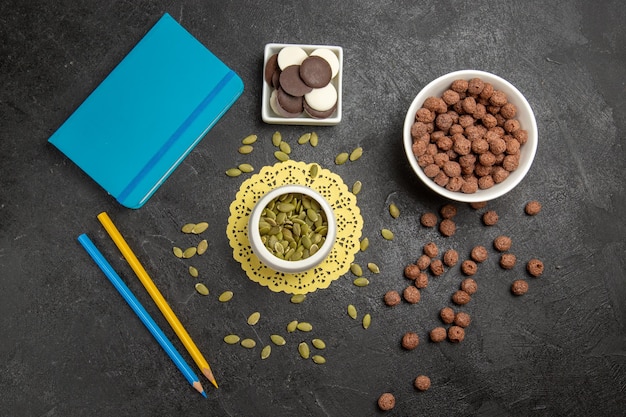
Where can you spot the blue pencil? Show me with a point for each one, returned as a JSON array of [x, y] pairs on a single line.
[[141, 312]]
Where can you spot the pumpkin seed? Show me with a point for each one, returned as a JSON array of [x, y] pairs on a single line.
[[202, 247], [248, 343], [278, 340], [341, 158], [313, 170], [277, 138], [394, 210], [304, 138], [356, 269], [284, 147], [304, 326], [373, 267], [193, 272], [246, 149], [387, 234], [245, 168], [314, 139], [281, 156], [352, 311], [233, 172], [178, 252], [319, 359], [361, 282], [365, 243], [231, 339], [254, 318], [202, 289], [356, 154], [298, 298], [367, 320], [190, 252], [225, 296], [292, 326], [199, 228], [318, 344], [187, 228], [356, 188], [265, 353], [304, 350], [249, 140]]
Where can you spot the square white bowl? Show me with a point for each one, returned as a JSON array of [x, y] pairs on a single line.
[[268, 114]]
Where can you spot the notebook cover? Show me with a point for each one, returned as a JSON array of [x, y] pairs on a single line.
[[138, 125]]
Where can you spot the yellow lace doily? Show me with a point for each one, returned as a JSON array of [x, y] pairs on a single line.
[[333, 189]]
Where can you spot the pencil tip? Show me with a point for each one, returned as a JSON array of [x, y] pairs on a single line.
[[207, 372], [198, 386]]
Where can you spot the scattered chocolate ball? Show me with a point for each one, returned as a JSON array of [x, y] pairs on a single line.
[[423, 262], [447, 227], [469, 286], [532, 208], [462, 319], [431, 250], [469, 267], [456, 334], [438, 334], [428, 220], [450, 257], [422, 382], [460, 297], [392, 298], [412, 271], [386, 401], [436, 267], [490, 218], [410, 340], [507, 260], [534, 267], [447, 315], [448, 211], [411, 294], [421, 281], [479, 254], [502, 243], [519, 287]]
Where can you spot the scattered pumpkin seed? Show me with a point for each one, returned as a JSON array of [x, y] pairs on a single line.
[[231, 339], [254, 318], [292, 326], [356, 154], [314, 139], [199, 228], [298, 298], [202, 247], [319, 359], [277, 138], [285, 147], [304, 326], [278, 340], [187, 228], [361, 282], [365, 243], [313, 171], [356, 269], [249, 140], [352, 311], [373, 267], [281, 156], [246, 149], [304, 138], [304, 350], [341, 158], [318, 344], [248, 343], [202, 289], [356, 187], [190, 252], [193, 271], [265, 353], [394, 210], [225, 296], [387, 234], [178, 252], [367, 320], [233, 172], [245, 168]]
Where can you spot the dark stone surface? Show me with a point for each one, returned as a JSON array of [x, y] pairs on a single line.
[[69, 344]]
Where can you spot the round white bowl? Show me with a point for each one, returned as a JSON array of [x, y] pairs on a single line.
[[525, 116], [281, 265]]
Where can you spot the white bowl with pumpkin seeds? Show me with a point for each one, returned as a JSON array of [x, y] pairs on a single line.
[[292, 229]]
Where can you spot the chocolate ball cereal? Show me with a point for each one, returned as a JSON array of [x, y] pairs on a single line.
[[462, 319], [469, 286], [436, 267], [411, 294], [438, 334], [423, 262], [478, 205], [490, 218], [469, 267], [456, 334], [421, 281], [450, 257], [428, 220], [532, 208], [431, 250], [447, 227], [392, 298], [410, 340], [519, 287], [386, 401], [422, 383], [460, 297], [507, 260], [502, 243], [534, 267], [447, 315], [448, 211], [479, 254], [412, 271]]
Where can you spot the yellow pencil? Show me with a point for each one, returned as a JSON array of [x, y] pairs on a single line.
[[156, 296]]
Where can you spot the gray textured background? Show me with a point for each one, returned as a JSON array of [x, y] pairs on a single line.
[[70, 346]]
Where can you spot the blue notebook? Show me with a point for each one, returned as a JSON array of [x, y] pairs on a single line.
[[138, 125]]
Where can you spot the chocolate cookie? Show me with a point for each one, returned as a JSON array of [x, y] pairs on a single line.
[[315, 71], [319, 114], [291, 104], [271, 67], [291, 82], [278, 109]]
